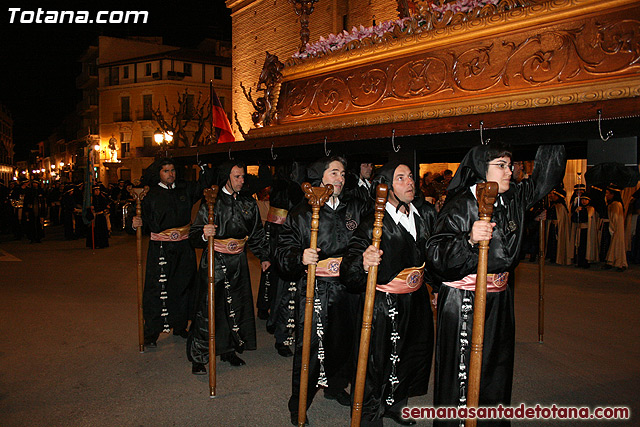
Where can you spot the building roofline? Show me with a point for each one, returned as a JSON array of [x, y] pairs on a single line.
[[189, 55]]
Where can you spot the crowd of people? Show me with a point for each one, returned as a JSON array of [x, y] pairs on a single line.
[[420, 246], [26, 206], [427, 262], [593, 227]]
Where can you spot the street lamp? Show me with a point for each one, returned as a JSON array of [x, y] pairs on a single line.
[[163, 139]]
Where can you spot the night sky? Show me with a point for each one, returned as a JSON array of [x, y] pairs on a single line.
[[39, 60]]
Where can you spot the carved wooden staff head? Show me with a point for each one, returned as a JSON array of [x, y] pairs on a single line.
[[317, 196], [486, 192], [139, 193], [382, 192], [210, 195]]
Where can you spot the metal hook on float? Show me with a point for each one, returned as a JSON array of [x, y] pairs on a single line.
[[482, 140], [393, 141], [609, 134]]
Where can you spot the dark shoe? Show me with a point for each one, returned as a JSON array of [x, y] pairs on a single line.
[[183, 333], [294, 419], [398, 419], [342, 397], [149, 343], [621, 269], [198, 369], [232, 358], [283, 350], [263, 314], [606, 267]]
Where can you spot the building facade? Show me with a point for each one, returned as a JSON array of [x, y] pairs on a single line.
[[123, 81], [273, 26], [6, 146]]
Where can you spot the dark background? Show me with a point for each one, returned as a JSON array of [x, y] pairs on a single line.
[[39, 62]]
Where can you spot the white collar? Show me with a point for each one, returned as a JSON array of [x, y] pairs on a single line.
[[407, 222], [397, 215], [364, 183], [225, 191], [333, 205], [165, 186]]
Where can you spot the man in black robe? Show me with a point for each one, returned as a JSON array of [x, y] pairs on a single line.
[[171, 261], [98, 235], [401, 346], [34, 211], [332, 338], [276, 296], [452, 254], [237, 221]]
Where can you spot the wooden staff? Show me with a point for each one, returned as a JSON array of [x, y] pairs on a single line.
[[486, 193], [541, 257], [367, 316], [210, 195], [138, 195], [317, 197]]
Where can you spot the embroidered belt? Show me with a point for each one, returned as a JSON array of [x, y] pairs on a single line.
[[172, 234], [495, 282], [229, 246], [407, 281], [277, 215], [329, 267]]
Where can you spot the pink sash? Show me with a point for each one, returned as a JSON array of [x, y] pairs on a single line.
[[495, 282], [407, 281], [276, 215], [329, 267]]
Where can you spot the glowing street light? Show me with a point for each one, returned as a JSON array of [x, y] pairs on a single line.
[[163, 139]]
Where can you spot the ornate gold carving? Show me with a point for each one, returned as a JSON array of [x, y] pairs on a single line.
[[539, 13], [616, 89], [588, 50]]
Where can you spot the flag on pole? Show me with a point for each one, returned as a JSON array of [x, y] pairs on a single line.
[[219, 119]]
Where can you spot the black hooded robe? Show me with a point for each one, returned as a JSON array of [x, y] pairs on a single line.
[[277, 297], [100, 232], [163, 209], [235, 218], [451, 257], [414, 321], [338, 308]]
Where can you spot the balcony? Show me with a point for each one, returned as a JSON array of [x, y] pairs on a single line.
[[175, 75], [87, 105], [144, 115], [147, 151], [122, 117], [86, 80]]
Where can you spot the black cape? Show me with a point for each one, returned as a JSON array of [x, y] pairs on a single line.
[[414, 319], [338, 309], [451, 258], [235, 218], [163, 209]]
